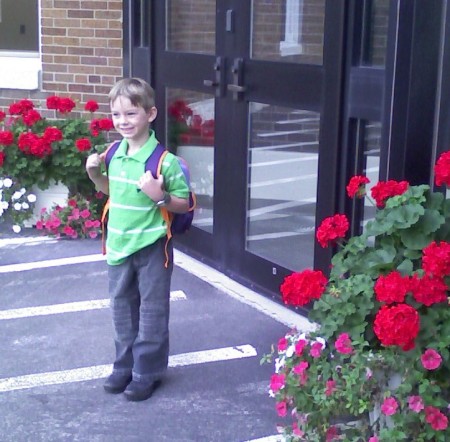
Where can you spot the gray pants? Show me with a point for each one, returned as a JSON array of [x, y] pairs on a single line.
[[140, 296]]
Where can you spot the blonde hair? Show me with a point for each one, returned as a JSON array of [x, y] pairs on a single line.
[[137, 90]]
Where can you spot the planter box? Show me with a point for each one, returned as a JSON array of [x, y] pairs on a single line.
[[45, 199]]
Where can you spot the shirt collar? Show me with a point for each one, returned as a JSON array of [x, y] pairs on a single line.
[[143, 153]]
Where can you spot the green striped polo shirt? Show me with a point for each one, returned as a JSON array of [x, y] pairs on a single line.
[[134, 221]]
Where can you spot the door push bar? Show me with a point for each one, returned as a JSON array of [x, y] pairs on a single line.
[[218, 81], [236, 87]]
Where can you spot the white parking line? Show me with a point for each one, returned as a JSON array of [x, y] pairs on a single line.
[[69, 307], [51, 263], [276, 438], [101, 371]]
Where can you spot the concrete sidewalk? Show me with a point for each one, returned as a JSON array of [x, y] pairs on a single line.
[[57, 348]]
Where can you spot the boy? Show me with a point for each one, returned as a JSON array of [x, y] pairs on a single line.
[[139, 281]]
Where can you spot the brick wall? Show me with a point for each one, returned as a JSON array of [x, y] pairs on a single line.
[[81, 46]]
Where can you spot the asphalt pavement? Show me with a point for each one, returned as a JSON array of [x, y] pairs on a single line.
[[57, 347]]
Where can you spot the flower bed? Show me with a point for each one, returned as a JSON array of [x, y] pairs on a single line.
[[36, 151]]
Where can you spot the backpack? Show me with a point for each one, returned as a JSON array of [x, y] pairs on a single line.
[[177, 223]]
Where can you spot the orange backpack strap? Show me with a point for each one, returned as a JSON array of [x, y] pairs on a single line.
[[106, 157], [103, 221]]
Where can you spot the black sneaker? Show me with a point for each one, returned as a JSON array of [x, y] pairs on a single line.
[[140, 391], [116, 383]]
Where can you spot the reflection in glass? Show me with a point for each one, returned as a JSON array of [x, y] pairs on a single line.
[[289, 30], [19, 25], [190, 134], [372, 143], [191, 26], [282, 182], [376, 26]]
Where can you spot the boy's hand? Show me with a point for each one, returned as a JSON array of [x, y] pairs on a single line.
[[152, 187], [93, 162]]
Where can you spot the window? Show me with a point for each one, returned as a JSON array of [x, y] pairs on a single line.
[[19, 44]]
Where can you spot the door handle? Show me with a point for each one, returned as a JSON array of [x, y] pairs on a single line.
[[210, 83], [237, 88], [218, 81]]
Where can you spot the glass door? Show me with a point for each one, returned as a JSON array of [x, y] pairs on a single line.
[[241, 86]]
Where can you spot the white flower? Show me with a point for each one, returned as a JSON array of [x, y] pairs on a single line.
[[16, 195], [25, 206], [290, 351], [17, 206], [31, 198], [7, 182], [1, 210], [4, 205], [321, 341], [16, 228], [279, 364], [22, 191]]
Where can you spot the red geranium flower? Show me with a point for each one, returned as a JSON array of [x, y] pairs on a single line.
[[2, 115], [31, 117], [391, 288], [65, 105], [436, 418], [26, 141], [386, 189], [52, 134], [302, 287], [40, 148], [105, 124], [20, 107], [436, 259], [331, 229], [53, 102], [428, 290], [83, 144], [356, 186], [6, 137], [91, 106], [442, 170], [397, 325]]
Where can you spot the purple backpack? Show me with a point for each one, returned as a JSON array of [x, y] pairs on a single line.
[[177, 223]]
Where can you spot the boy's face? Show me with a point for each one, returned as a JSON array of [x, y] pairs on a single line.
[[130, 121]]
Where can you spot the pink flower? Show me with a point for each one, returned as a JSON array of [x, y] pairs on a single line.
[[431, 359], [415, 403], [277, 382], [331, 434], [373, 439], [299, 347], [85, 213], [281, 408], [300, 368], [282, 344], [93, 234], [389, 406], [316, 350], [344, 344], [330, 387], [435, 418], [297, 430]]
